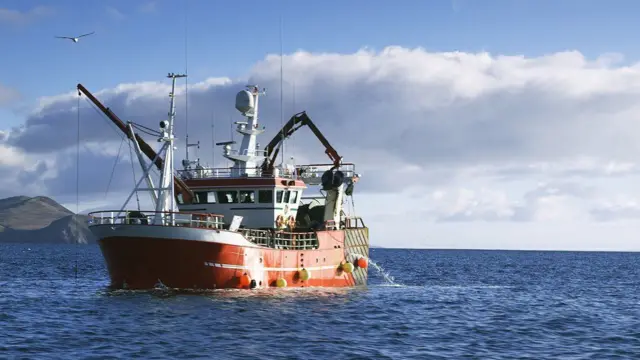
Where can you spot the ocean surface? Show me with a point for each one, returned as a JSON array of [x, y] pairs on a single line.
[[430, 304]]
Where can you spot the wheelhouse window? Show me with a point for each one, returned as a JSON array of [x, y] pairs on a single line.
[[180, 199], [227, 197], [279, 194], [294, 197], [265, 196], [204, 197], [286, 196], [247, 196]]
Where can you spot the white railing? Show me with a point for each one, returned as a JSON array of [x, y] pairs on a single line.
[[261, 153], [311, 174], [210, 173], [134, 217]]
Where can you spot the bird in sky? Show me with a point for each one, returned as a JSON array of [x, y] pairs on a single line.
[[74, 39]]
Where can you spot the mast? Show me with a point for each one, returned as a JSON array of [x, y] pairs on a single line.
[[246, 159], [166, 199], [181, 187]]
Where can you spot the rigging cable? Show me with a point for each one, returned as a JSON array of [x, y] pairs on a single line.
[[113, 170], [76, 218], [149, 131], [186, 78], [281, 88], [133, 171], [103, 117]]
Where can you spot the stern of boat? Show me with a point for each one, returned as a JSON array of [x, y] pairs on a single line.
[[356, 245]]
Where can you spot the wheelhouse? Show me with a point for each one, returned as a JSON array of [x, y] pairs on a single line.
[[262, 202]]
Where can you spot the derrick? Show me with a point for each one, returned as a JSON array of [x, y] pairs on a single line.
[[297, 121], [179, 186]]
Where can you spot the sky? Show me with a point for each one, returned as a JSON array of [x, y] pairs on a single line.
[[475, 125]]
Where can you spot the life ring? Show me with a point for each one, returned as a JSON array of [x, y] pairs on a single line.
[[279, 221], [291, 222]]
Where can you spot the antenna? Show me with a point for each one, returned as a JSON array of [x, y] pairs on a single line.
[[187, 163], [281, 88], [213, 140], [231, 131], [293, 111]]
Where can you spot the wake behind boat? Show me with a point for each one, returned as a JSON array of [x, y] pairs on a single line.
[[246, 226]]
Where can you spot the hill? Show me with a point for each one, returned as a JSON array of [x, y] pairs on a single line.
[[41, 220]]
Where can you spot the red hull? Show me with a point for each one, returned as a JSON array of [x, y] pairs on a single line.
[[143, 262]]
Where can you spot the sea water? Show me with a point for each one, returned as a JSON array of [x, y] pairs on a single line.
[[420, 304]]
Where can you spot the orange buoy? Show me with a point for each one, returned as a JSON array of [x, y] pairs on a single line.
[[245, 280], [362, 263]]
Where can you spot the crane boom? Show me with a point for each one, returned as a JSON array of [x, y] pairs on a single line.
[[180, 186], [297, 121]]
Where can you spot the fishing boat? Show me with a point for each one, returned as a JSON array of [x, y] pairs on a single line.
[[245, 226]]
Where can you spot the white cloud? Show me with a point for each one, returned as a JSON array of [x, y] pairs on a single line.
[[518, 147]]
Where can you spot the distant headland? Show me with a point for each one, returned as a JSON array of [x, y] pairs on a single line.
[[41, 220]]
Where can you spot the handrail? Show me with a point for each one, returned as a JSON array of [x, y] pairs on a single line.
[[351, 222], [330, 225], [188, 219], [282, 239], [213, 173], [246, 152], [157, 212], [297, 172]]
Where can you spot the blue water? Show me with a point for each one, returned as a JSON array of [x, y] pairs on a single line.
[[446, 304]]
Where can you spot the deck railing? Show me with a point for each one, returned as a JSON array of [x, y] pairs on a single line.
[[310, 172], [213, 173], [353, 222], [134, 217], [282, 239]]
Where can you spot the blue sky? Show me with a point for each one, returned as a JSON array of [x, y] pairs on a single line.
[[536, 138], [225, 38]]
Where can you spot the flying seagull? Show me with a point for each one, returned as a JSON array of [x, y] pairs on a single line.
[[74, 39]]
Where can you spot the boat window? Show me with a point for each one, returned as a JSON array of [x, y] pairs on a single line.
[[200, 197], [227, 197], [180, 199], [294, 197], [286, 196], [265, 196], [247, 196], [204, 197], [279, 196]]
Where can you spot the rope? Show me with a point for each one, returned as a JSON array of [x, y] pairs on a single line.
[[133, 171], [113, 170], [186, 72], [103, 116], [281, 90], [77, 186], [149, 131]]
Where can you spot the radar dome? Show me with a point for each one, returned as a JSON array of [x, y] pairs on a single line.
[[244, 101]]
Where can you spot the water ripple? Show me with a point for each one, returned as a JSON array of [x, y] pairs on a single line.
[[441, 305]]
